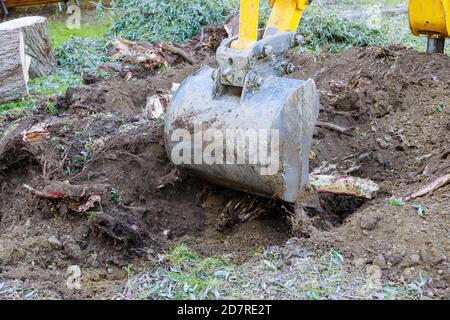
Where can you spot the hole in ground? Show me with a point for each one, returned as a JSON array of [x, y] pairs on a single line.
[[336, 209]]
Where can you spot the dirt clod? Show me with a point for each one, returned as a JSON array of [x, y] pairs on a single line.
[[55, 243]]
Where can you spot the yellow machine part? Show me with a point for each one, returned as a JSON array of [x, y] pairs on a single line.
[[248, 25], [430, 18], [285, 17], [286, 14]]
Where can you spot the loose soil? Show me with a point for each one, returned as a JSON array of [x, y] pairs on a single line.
[[396, 101]]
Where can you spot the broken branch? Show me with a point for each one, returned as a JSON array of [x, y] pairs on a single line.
[[436, 184], [334, 127], [179, 52], [59, 190]]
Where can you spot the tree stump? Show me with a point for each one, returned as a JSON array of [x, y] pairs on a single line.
[[37, 43], [14, 65]]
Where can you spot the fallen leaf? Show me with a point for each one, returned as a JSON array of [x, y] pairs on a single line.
[[36, 133]]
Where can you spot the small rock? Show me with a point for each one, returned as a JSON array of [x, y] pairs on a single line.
[[359, 262], [388, 164], [6, 254], [72, 249], [27, 223], [297, 252], [167, 233], [383, 144], [380, 261], [394, 258], [448, 125], [373, 276], [415, 258], [54, 242], [425, 255], [369, 222], [408, 274]]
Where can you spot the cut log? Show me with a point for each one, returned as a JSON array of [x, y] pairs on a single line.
[[37, 43], [14, 65]]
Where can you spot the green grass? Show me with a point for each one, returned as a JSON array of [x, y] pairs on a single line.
[[54, 84], [21, 104], [326, 29], [169, 20], [59, 33], [183, 274], [45, 89], [77, 51]]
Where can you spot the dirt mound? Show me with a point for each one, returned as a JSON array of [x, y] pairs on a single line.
[[123, 96], [93, 186], [397, 102]]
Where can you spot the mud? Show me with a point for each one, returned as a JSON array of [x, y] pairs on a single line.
[[395, 100], [148, 205]]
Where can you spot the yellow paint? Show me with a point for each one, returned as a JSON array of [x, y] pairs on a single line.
[[286, 15], [248, 25], [430, 17]]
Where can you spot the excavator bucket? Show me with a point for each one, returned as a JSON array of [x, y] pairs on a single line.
[[261, 143], [244, 125]]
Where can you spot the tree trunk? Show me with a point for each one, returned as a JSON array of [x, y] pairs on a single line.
[[14, 65], [37, 43]]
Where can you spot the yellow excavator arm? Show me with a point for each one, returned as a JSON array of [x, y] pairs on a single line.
[[285, 17], [426, 17]]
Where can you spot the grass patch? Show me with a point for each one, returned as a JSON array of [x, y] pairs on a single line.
[[170, 20], [55, 84], [21, 104], [59, 33], [82, 55], [44, 89], [325, 29], [183, 274], [195, 277]]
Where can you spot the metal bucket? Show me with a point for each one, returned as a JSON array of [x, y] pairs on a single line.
[[283, 110]]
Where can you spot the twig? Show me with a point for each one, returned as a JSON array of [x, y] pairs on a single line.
[[63, 161], [95, 157], [179, 52], [202, 37], [340, 113], [334, 127], [36, 192], [436, 184]]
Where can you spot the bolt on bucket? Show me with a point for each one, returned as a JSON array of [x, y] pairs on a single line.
[[257, 141]]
